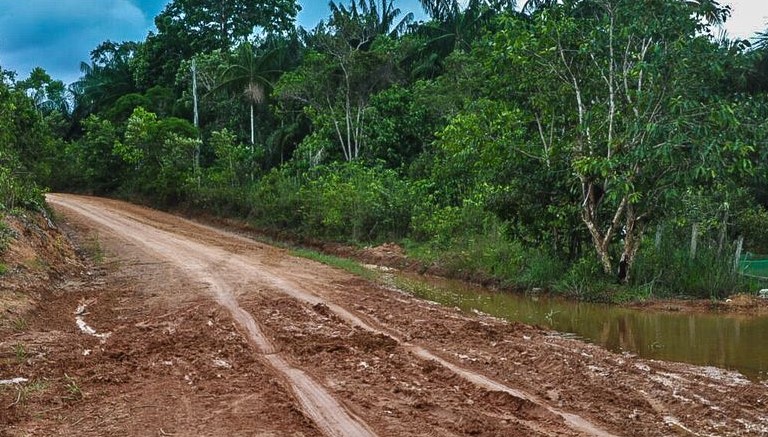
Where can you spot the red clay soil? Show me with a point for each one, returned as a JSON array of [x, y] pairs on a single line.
[[186, 330]]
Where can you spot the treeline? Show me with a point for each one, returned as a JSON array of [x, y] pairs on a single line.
[[26, 144], [569, 145]]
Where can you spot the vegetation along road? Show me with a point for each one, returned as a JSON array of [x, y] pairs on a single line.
[[183, 329]]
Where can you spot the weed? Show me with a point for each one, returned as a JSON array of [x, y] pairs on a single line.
[[92, 247], [550, 317], [27, 390], [6, 235], [3, 269], [342, 263], [21, 353], [74, 390], [19, 324], [36, 264]]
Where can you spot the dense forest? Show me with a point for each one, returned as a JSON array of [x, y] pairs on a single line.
[[603, 149]]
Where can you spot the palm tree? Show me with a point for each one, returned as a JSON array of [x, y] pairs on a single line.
[[250, 73], [452, 27], [366, 20]]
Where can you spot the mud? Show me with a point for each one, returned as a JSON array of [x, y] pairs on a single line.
[[214, 334]]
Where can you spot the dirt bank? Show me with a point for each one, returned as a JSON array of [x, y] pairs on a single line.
[[197, 331]]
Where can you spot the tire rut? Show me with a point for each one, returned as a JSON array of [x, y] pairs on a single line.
[[214, 266], [317, 403]]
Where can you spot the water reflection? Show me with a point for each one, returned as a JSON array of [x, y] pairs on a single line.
[[725, 341]]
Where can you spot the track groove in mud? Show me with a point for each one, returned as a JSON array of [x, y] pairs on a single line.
[[236, 270], [317, 403]]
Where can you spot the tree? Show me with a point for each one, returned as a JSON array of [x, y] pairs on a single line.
[[213, 24], [452, 28], [250, 72], [335, 83], [105, 79], [619, 91], [365, 20]]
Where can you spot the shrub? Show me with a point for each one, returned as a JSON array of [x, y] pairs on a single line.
[[354, 202]]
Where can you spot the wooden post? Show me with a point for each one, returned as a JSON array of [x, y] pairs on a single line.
[[694, 239], [723, 231], [737, 258]]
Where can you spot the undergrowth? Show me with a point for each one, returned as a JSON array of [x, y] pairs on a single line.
[[345, 264]]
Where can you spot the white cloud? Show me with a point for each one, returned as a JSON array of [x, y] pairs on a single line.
[[747, 17]]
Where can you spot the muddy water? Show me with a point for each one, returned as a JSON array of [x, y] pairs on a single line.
[[731, 342]]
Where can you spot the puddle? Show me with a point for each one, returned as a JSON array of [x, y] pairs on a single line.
[[724, 341]]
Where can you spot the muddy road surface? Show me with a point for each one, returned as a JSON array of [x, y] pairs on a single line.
[[186, 330]]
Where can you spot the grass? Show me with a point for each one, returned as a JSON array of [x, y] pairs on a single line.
[[92, 247], [19, 324], [345, 264], [21, 352], [75, 393], [27, 390], [3, 269]]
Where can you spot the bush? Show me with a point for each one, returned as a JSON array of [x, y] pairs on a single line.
[[349, 201], [16, 192], [586, 280], [276, 200], [669, 270]]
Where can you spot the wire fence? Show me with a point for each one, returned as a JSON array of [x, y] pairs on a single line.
[[754, 265]]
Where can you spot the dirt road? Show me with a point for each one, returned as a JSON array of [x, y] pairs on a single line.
[[187, 330]]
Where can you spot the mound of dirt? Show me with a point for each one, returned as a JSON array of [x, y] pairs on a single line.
[[746, 304], [38, 255], [387, 254]]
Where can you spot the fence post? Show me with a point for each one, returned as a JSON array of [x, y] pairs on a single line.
[[694, 239], [723, 230], [659, 230], [739, 246]]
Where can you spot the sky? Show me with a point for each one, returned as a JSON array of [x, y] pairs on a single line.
[[58, 34]]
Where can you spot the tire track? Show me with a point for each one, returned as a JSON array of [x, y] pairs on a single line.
[[213, 264], [198, 261]]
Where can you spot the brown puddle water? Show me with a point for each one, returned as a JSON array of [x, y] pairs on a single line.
[[726, 341]]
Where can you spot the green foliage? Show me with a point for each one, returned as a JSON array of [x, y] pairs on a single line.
[[342, 263], [276, 200], [585, 280], [6, 235], [752, 223], [670, 271], [533, 148], [161, 155], [356, 202]]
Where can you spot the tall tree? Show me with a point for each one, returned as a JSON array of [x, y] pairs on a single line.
[[618, 89], [251, 72], [214, 24]]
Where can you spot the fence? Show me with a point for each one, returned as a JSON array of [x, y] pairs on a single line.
[[754, 265]]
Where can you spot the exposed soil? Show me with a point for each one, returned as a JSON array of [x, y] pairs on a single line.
[[197, 331], [746, 304]]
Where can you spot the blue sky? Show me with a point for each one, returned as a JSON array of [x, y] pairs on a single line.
[[58, 34]]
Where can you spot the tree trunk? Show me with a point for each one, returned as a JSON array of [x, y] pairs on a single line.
[[589, 215], [634, 234], [600, 242], [253, 136]]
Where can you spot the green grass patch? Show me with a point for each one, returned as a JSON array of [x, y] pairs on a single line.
[[92, 247], [6, 236], [3, 269], [27, 390], [345, 264], [19, 324]]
